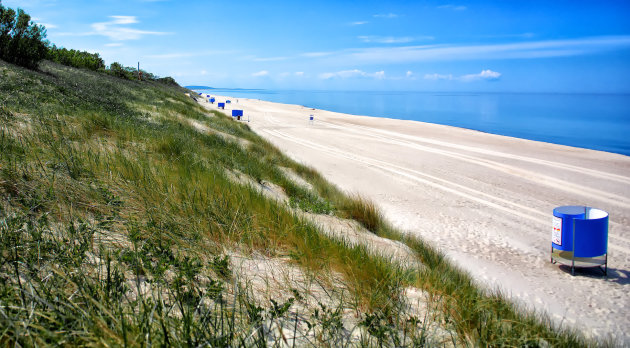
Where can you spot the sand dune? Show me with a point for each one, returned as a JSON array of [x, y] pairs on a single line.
[[485, 200]]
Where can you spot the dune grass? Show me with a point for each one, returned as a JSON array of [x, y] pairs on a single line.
[[115, 213]]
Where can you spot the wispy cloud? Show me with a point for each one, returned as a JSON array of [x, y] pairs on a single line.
[[269, 59], [316, 54], [392, 39], [113, 44], [386, 39], [261, 73], [286, 74], [386, 15], [453, 7], [487, 75], [348, 74], [38, 20], [49, 25], [358, 23], [116, 29], [179, 55], [518, 50], [436, 77], [483, 75]]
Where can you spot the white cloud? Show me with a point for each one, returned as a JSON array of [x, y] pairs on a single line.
[[453, 7], [409, 74], [204, 72], [261, 73], [386, 39], [438, 77], [123, 20], [38, 21], [316, 54], [49, 25], [113, 44], [116, 30], [355, 73], [483, 75], [386, 15], [287, 74], [359, 23]]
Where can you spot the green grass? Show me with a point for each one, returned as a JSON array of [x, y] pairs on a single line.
[[115, 213]]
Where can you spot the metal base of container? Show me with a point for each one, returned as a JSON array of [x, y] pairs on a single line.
[[566, 258]]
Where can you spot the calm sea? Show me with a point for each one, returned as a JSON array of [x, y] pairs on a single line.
[[594, 121]]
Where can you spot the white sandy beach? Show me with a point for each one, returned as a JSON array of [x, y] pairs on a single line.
[[485, 200]]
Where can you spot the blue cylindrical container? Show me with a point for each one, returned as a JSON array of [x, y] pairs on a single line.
[[588, 225], [591, 234], [563, 217]]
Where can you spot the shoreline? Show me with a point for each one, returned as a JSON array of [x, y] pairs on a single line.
[[485, 200], [483, 112]]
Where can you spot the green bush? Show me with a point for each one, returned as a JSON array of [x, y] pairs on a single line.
[[168, 81], [121, 71], [77, 59], [22, 42], [129, 73]]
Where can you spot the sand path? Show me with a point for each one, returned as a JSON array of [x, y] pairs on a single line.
[[485, 200]]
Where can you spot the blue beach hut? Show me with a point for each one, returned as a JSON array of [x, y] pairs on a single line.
[[237, 113]]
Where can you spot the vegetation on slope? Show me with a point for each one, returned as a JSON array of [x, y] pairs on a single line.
[[23, 42], [117, 215]]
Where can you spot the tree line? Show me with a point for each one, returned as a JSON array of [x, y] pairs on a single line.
[[23, 42]]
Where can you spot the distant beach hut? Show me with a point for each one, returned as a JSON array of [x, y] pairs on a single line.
[[212, 100], [311, 118], [200, 93], [228, 101], [238, 114], [221, 105]]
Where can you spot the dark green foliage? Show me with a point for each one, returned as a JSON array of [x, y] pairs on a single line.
[[124, 72], [221, 266], [22, 42], [129, 73], [379, 326], [307, 201], [168, 81], [77, 59]]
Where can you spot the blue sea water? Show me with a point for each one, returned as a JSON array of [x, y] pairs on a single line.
[[593, 121]]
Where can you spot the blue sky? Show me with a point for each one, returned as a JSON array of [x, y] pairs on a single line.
[[502, 46]]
